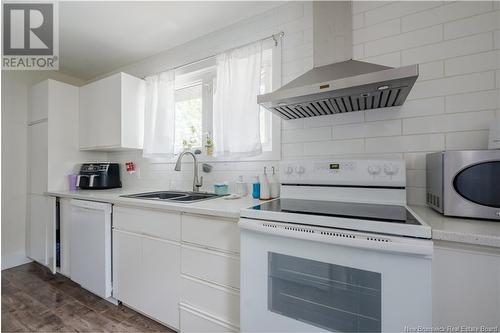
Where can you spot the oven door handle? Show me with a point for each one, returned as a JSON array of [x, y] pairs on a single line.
[[375, 242]]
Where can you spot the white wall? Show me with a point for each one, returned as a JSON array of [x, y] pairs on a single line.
[[454, 100], [15, 85], [295, 19]]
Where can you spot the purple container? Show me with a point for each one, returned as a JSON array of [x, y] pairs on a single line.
[[72, 183]]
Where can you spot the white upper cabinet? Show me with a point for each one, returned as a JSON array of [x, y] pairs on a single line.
[[112, 113]]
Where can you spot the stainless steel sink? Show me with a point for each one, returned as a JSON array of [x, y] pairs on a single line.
[[173, 196]]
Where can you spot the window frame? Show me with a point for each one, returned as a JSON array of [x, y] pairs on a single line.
[[205, 71]]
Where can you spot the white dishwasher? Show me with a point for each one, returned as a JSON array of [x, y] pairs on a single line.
[[90, 252]]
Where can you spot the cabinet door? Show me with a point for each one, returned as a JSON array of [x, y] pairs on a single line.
[[127, 269], [100, 113], [465, 285], [38, 102], [161, 280], [42, 229], [38, 157], [65, 234]]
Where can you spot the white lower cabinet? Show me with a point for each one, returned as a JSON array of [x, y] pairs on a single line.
[[465, 285], [41, 244], [210, 266], [146, 269], [180, 269], [161, 265], [194, 321]]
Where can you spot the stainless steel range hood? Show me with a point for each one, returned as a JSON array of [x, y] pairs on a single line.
[[343, 86]]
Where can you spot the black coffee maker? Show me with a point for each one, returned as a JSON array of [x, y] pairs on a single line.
[[96, 176]]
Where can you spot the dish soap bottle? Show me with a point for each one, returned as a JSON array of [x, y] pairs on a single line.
[[241, 187], [265, 192], [274, 185], [256, 188]]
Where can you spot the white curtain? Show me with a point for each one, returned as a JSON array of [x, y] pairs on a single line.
[[235, 109], [159, 116]]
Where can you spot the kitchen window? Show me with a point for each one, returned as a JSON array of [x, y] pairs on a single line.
[[193, 106]]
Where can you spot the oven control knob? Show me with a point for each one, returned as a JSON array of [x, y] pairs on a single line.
[[289, 170], [390, 169], [300, 170], [374, 170]]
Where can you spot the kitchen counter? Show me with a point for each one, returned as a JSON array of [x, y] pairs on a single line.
[[228, 208], [454, 229]]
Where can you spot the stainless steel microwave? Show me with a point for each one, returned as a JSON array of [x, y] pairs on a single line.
[[464, 183]]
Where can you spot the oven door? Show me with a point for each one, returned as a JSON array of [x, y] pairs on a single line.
[[296, 282], [471, 184]]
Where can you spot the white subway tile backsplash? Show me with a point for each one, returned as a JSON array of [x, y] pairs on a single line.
[[431, 70], [467, 140], [453, 85], [358, 21], [292, 150], [389, 59], [415, 178], [404, 41], [397, 9], [448, 49], [473, 63], [363, 6], [445, 13], [367, 129], [477, 120], [482, 100], [334, 147], [358, 51], [306, 135], [472, 25], [376, 31], [297, 53], [454, 98], [406, 143], [412, 108]]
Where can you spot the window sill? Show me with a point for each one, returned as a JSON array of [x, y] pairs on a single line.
[[202, 158]]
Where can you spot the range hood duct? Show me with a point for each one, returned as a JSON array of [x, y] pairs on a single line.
[[341, 86]]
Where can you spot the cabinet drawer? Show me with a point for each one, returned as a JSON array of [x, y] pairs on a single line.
[[217, 301], [193, 321], [216, 233], [211, 266], [148, 222]]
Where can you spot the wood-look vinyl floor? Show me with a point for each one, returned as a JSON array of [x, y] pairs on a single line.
[[35, 300]]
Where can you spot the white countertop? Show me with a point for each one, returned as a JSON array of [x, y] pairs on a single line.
[[454, 229], [216, 207], [468, 231]]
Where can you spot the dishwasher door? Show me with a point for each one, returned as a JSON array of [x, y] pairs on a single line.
[[90, 246]]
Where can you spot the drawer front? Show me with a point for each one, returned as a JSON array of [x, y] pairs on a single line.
[[148, 222], [212, 232], [192, 321], [211, 266], [217, 301]]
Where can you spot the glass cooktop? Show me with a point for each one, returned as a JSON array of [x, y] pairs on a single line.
[[365, 211]]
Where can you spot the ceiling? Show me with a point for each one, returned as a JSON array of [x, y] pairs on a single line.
[[98, 37]]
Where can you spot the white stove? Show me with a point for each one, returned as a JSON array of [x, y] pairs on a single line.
[[339, 251]]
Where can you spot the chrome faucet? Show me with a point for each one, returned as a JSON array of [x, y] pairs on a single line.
[[197, 183]]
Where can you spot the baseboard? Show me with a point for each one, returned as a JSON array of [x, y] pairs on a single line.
[[14, 259]]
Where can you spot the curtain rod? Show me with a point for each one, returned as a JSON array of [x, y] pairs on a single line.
[[276, 37]]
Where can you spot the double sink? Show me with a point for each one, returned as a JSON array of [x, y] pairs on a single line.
[[173, 196]]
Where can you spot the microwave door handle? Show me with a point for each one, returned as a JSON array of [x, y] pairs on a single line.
[[78, 180]]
